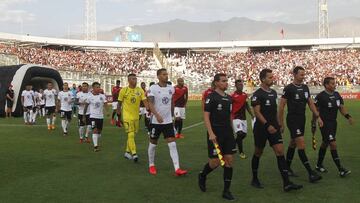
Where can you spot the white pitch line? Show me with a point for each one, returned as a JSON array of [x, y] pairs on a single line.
[[40, 125]]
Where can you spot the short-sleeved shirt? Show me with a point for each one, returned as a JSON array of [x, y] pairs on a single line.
[[82, 97], [239, 105], [219, 108], [28, 97], [131, 98], [115, 93], [11, 94], [163, 101], [297, 97], [49, 96], [180, 96], [66, 100], [328, 105], [268, 105], [40, 99], [96, 105]]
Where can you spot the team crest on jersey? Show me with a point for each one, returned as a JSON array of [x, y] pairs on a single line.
[[254, 98], [133, 100], [338, 102], [219, 107], [97, 105], [101, 99], [28, 97], [137, 93], [306, 95], [267, 102], [66, 99], [297, 96], [165, 100], [329, 105]]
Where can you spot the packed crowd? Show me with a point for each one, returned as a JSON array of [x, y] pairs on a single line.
[[344, 65], [90, 61]]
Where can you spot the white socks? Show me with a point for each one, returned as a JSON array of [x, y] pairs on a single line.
[[32, 116], [95, 138], [88, 130], [25, 117], [48, 121], [53, 120], [81, 131], [151, 154], [64, 124], [174, 155]]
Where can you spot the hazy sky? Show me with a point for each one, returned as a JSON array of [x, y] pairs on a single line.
[[60, 17]]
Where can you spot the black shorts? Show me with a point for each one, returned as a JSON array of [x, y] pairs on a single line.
[[328, 131], [97, 123], [81, 122], [296, 126], [65, 114], [28, 108], [49, 110], [42, 106], [226, 141], [166, 129], [261, 136], [9, 104]]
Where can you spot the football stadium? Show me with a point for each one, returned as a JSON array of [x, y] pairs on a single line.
[[153, 115]]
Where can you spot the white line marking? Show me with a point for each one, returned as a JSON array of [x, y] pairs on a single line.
[[194, 125]]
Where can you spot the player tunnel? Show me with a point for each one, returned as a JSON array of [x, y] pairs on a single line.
[[21, 75]]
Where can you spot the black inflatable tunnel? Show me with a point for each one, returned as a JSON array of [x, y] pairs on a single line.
[[20, 75]]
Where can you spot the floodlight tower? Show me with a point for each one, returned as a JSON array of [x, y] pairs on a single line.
[[323, 19], [90, 20]]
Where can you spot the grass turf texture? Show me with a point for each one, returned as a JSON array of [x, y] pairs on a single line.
[[38, 166]]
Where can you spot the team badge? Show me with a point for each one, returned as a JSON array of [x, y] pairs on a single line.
[[297, 96], [329, 105], [165, 100], [338, 102], [267, 103], [219, 107], [306, 95], [254, 98], [133, 100]]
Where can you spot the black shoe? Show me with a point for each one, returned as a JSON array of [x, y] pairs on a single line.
[[291, 173], [96, 149], [256, 183], [292, 186], [344, 172], [135, 158], [314, 177], [202, 182], [321, 169], [228, 196]]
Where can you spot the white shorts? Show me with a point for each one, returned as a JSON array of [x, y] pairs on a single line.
[[179, 112], [114, 105], [240, 125], [142, 111]]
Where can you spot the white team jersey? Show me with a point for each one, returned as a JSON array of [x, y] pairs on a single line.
[[28, 97], [49, 96], [82, 97], [96, 105], [163, 100], [66, 100], [40, 100]]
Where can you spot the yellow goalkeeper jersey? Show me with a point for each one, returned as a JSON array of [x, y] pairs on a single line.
[[130, 98]]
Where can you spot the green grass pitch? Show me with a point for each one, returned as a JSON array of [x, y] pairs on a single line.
[[38, 166]]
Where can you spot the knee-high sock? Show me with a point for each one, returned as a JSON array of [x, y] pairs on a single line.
[[206, 170], [25, 117], [304, 160], [283, 169], [336, 158], [254, 166], [48, 121], [95, 138], [53, 120], [174, 155], [63, 125], [290, 155], [151, 154], [33, 116], [113, 114], [88, 130], [322, 152], [228, 172], [239, 141], [131, 142], [180, 126], [81, 131]]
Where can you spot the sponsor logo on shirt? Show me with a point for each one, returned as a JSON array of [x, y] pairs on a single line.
[[219, 107]]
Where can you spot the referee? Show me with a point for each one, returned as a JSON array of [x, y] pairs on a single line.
[[267, 128], [297, 95], [329, 102], [217, 118]]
